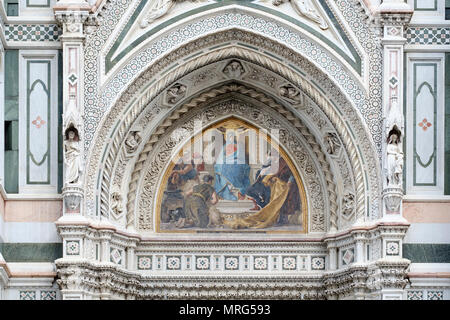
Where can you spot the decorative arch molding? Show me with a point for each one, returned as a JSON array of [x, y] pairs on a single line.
[[249, 12], [132, 111], [98, 100], [224, 102]]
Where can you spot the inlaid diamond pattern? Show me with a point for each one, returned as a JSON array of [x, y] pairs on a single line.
[[414, 295], [435, 295], [348, 257], [27, 295], [116, 256], [48, 295], [32, 32], [428, 36]]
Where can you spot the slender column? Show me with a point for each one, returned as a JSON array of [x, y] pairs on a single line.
[[71, 14], [332, 255], [394, 15], [359, 252]]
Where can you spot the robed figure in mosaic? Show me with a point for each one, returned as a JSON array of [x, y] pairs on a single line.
[[231, 170], [230, 192]]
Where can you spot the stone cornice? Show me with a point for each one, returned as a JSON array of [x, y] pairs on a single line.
[[99, 226]]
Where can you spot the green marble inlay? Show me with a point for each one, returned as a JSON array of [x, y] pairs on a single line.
[[432, 89], [447, 125], [11, 113], [47, 90], [31, 252], [427, 252], [354, 61]]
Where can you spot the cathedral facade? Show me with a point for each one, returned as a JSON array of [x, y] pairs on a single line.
[[225, 149]]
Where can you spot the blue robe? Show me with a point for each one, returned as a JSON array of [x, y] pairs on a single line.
[[228, 171]]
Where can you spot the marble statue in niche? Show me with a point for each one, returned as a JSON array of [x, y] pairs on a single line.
[[72, 157], [223, 189], [394, 159], [306, 9]]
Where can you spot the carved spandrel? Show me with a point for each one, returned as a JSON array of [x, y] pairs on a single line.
[[305, 8]]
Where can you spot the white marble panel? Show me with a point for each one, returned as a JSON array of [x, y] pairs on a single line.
[[428, 233], [38, 117], [31, 232], [38, 136], [424, 124], [425, 4]]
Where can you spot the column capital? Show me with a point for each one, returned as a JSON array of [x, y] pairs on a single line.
[[72, 14], [394, 13]]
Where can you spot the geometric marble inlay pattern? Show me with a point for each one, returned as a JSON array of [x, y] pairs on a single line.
[[260, 263], [202, 263], [27, 295], [348, 256], [48, 295], [289, 263], [414, 295], [144, 263], [73, 247], [116, 256], [231, 263], [29, 32], [392, 248], [428, 35], [173, 263], [318, 263], [435, 295]]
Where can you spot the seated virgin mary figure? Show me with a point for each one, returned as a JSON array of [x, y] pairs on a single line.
[[230, 173]]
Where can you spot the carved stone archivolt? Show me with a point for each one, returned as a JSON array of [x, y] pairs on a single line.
[[255, 113], [162, 152], [333, 116]]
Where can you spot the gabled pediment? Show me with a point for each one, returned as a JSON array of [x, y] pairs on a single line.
[[313, 19]]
